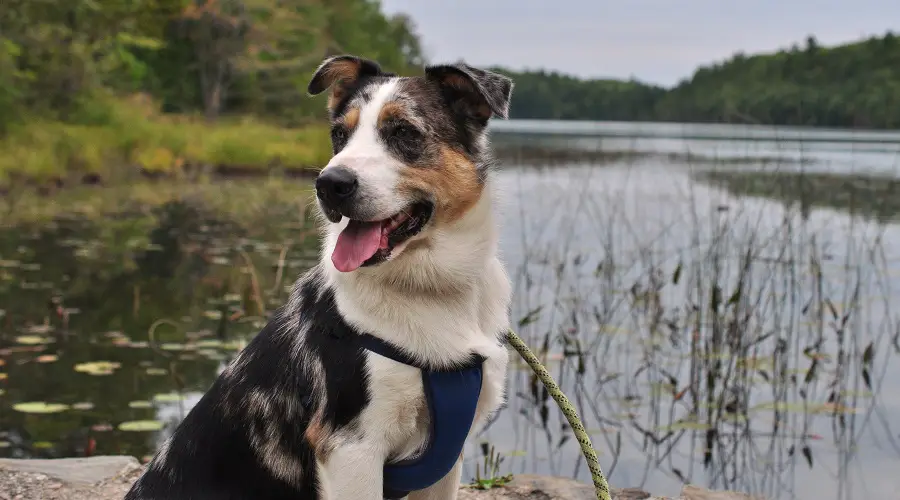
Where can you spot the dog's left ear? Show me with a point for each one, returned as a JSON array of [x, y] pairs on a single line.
[[339, 73], [476, 92]]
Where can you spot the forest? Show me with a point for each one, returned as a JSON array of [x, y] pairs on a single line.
[[852, 85], [59, 59], [98, 90], [79, 63]]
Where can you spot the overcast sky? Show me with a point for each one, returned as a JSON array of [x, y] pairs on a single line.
[[659, 41]]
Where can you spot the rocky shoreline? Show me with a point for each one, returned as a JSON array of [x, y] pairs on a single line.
[[109, 477]]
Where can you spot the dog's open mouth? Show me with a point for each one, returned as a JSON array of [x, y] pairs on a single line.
[[364, 243]]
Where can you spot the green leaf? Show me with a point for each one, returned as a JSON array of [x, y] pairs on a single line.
[[168, 397], [40, 407], [531, 317], [141, 426], [33, 340], [142, 42], [868, 354], [98, 368]]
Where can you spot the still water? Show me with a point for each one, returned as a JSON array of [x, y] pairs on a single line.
[[710, 330]]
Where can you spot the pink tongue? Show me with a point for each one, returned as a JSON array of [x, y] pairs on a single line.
[[356, 244]]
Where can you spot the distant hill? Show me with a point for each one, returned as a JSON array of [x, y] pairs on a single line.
[[852, 85]]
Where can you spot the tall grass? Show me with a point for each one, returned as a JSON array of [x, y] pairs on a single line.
[[707, 339], [118, 138]]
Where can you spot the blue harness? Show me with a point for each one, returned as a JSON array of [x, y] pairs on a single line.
[[452, 396]]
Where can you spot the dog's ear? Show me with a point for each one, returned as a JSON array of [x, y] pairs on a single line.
[[339, 73], [477, 92]]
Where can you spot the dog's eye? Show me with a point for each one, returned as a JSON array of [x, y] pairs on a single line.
[[339, 136], [405, 132]]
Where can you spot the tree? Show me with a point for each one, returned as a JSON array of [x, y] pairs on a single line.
[[856, 84], [217, 31]]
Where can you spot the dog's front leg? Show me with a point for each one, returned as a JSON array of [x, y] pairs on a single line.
[[353, 472], [445, 489]]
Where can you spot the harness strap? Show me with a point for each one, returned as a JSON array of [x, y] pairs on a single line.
[[452, 397]]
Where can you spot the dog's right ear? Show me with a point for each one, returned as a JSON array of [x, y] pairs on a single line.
[[339, 73], [475, 92]]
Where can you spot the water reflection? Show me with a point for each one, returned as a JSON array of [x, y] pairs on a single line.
[[726, 341], [734, 342], [120, 317]]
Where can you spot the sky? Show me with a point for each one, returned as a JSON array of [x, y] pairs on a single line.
[[657, 41]]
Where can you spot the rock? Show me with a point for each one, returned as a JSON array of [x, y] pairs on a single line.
[[527, 486], [108, 478], [75, 471], [95, 478], [691, 492]]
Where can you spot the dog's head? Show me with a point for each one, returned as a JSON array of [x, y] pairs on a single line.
[[409, 153]]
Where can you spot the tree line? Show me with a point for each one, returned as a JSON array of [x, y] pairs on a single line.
[[852, 85], [57, 58]]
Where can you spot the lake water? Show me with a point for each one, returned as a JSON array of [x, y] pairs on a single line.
[[715, 320]]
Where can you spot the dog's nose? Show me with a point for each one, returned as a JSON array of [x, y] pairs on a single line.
[[335, 185]]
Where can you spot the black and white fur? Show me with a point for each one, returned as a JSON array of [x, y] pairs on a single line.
[[303, 412]]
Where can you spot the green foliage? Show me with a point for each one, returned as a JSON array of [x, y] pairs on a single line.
[[82, 82], [853, 85], [220, 57], [488, 476], [132, 133]]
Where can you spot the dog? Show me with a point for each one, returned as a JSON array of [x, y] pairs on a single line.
[[390, 351]]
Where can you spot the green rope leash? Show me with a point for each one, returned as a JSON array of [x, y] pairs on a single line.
[[568, 410]]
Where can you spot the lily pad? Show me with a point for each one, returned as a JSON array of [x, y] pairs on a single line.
[[42, 445], [83, 406], [140, 404], [209, 344], [141, 426], [235, 345], [32, 340], [214, 315], [47, 358], [98, 368], [157, 371], [801, 408], [5, 444], [685, 425], [211, 354], [40, 407], [3, 376], [168, 397], [38, 329]]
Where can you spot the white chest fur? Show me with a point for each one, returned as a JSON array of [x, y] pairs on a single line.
[[433, 329]]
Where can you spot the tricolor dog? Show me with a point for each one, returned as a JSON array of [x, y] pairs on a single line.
[[389, 352]]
